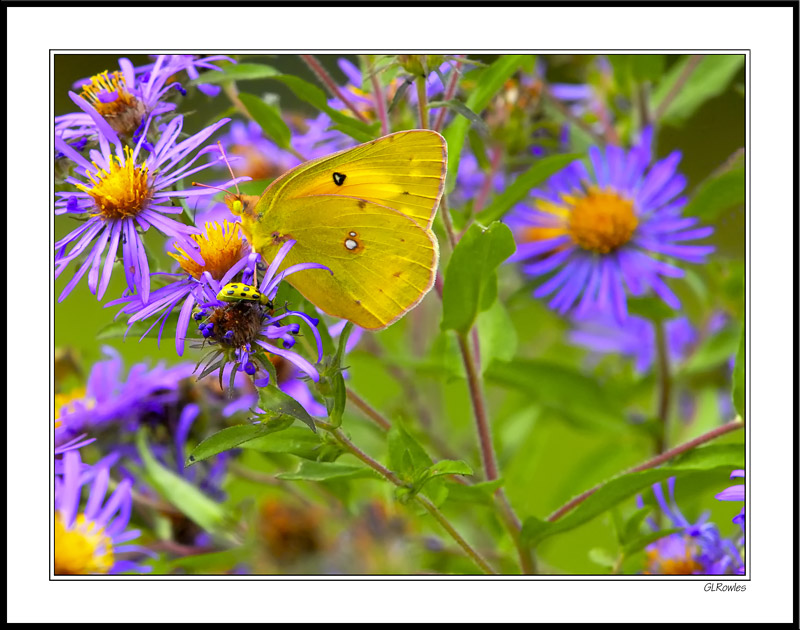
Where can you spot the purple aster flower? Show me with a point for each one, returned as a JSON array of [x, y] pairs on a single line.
[[735, 493], [91, 537], [113, 398], [192, 64], [245, 333], [225, 253], [123, 189], [121, 101], [600, 332], [698, 549], [64, 438], [604, 233]]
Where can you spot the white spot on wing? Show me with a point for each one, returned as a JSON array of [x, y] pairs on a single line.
[[350, 244]]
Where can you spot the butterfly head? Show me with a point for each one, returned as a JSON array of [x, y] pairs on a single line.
[[242, 205]]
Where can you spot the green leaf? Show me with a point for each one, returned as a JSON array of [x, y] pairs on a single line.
[[459, 108], [470, 284], [326, 471], [725, 457], [717, 194], [634, 524], [709, 79], [269, 119], [186, 497], [488, 82], [338, 401], [738, 377], [711, 456], [277, 403], [233, 437], [650, 308], [523, 184], [314, 96], [497, 335], [480, 493], [560, 387], [293, 440], [406, 456], [449, 467], [236, 72]]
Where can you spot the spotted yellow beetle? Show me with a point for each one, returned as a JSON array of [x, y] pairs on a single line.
[[237, 292]]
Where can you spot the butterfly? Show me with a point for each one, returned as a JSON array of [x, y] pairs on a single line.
[[366, 214]]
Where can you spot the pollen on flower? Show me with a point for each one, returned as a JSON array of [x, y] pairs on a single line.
[[678, 565], [600, 221], [81, 549], [110, 97], [120, 192], [220, 246]]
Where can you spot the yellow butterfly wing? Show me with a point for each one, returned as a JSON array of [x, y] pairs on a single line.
[[403, 170], [383, 262]]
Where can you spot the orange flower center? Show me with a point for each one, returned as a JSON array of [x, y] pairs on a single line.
[[220, 247], [601, 221]]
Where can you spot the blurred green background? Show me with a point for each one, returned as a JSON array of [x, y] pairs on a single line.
[[546, 455]]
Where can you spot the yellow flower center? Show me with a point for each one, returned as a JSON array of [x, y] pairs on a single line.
[[82, 549], [533, 234], [601, 221], [111, 99], [220, 247], [121, 191]]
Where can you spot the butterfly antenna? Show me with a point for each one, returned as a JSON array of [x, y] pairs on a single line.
[[228, 164], [199, 185]]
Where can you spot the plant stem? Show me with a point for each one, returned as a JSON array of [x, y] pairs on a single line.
[[507, 514], [448, 527], [509, 518], [733, 425], [380, 102], [664, 387], [691, 65], [421, 499], [479, 409], [422, 101], [368, 410], [448, 94], [329, 83], [448, 223], [343, 337]]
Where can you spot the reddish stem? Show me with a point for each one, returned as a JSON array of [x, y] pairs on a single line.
[[455, 74], [329, 83], [652, 463]]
